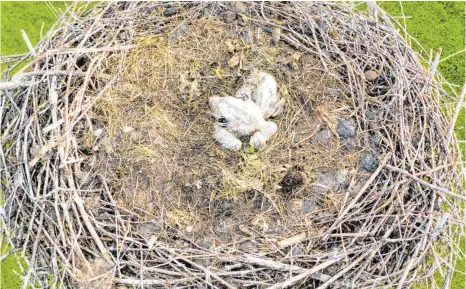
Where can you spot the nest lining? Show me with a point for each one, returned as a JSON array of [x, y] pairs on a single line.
[[122, 179]]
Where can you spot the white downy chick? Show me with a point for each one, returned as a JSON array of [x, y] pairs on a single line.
[[261, 87], [260, 137], [236, 117]]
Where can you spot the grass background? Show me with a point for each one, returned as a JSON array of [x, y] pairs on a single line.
[[433, 24]]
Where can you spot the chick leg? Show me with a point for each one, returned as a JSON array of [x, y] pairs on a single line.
[[226, 139]]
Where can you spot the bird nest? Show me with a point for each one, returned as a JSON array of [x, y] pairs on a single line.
[[111, 176]]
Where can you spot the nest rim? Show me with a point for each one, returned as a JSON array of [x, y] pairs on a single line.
[[403, 90]]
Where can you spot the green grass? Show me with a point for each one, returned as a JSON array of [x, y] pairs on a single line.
[[433, 24], [29, 16], [35, 17], [9, 269]]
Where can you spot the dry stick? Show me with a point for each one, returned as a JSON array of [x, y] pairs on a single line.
[[280, 266], [135, 282], [75, 50], [433, 187], [346, 269], [356, 198], [409, 266], [79, 203], [202, 268], [34, 251], [304, 275], [458, 108], [434, 170]]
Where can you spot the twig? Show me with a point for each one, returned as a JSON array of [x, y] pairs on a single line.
[[430, 186]]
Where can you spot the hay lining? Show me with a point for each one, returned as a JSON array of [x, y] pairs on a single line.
[[111, 176]]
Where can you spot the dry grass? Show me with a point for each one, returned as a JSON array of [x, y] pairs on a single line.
[[158, 153]]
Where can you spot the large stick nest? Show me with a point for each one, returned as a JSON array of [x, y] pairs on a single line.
[[111, 177]]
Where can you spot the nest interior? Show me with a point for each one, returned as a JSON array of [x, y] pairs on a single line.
[[115, 180]]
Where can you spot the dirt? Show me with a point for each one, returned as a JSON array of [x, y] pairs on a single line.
[[293, 181], [153, 142]]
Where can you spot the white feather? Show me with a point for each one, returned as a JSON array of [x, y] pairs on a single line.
[[261, 87], [237, 117]]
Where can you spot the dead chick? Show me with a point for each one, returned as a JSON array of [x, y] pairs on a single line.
[[261, 87], [236, 117]]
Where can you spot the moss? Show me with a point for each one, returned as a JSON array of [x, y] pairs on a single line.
[[434, 25], [10, 268], [29, 16]]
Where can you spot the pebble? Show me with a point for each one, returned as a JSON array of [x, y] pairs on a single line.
[[368, 162], [346, 128], [310, 204], [371, 75], [338, 180], [248, 246], [324, 138]]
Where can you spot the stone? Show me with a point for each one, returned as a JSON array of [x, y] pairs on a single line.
[[346, 128], [338, 180], [323, 137], [368, 162], [248, 247], [310, 204], [371, 75]]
